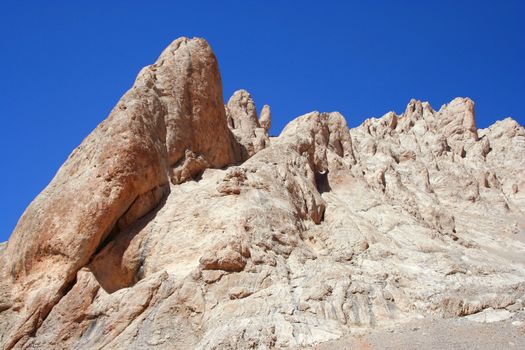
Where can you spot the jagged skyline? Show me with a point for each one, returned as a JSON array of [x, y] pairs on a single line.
[[179, 223], [67, 66]]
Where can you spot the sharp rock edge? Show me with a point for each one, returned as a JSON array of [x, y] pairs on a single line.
[[180, 223]]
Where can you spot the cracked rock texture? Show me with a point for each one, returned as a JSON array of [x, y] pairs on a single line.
[[178, 223], [251, 133]]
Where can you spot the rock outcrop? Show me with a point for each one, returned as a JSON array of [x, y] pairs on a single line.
[[171, 123], [177, 223], [243, 122], [265, 119]]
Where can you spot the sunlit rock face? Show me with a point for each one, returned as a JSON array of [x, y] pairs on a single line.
[[178, 223]]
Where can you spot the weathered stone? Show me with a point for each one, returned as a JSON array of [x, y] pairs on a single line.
[[175, 106], [323, 231], [265, 118], [243, 122]]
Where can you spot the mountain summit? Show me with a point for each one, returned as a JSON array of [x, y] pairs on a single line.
[[179, 223]]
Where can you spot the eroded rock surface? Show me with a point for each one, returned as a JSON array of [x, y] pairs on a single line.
[[174, 107], [177, 224], [243, 122]]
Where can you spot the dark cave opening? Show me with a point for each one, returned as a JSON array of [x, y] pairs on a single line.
[[321, 181]]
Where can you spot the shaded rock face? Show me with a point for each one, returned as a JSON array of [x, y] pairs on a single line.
[[178, 223]]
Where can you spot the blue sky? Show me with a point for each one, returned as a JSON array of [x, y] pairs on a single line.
[[66, 63]]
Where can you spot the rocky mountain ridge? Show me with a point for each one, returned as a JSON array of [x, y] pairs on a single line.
[[180, 223]]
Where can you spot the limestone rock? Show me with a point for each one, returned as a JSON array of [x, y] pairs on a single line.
[[265, 118], [174, 106], [242, 120], [322, 232]]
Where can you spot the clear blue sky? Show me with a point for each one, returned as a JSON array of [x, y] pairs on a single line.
[[66, 63]]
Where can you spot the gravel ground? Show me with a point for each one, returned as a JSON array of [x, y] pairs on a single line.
[[430, 334]]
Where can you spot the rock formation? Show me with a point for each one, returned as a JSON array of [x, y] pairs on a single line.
[[265, 118], [242, 120], [178, 224]]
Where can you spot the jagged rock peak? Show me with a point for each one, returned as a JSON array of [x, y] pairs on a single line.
[[416, 109], [265, 118], [243, 122], [322, 132], [455, 120], [284, 244], [458, 117], [242, 113], [171, 123]]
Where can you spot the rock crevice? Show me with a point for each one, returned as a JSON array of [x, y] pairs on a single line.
[[179, 223]]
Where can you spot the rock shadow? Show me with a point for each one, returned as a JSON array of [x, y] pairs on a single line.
[[118, 262], [321, 181]]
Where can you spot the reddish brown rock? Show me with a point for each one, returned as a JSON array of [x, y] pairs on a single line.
[[174, 107]]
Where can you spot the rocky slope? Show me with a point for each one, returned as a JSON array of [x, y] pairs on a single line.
[[179, 223]]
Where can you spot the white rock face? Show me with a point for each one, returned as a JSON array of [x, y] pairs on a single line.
[[318, 234]]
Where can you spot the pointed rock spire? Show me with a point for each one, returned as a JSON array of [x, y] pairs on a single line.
[[118, 174], [242, 120], [265, 118]]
